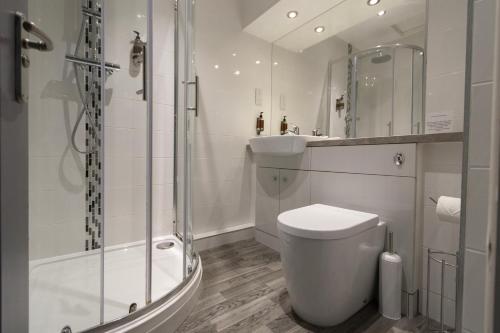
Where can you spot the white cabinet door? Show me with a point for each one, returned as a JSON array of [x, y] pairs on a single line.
[[267, 200], [295, 189]]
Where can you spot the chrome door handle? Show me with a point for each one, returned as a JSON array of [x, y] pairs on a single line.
[[44, 44], [196, 87], [22, 60]]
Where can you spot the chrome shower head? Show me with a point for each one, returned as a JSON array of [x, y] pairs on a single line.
[[380, 58]]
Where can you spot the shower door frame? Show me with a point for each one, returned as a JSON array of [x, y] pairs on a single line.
[[14, 196]]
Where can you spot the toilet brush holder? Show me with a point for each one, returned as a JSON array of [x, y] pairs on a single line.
[[440, 258]]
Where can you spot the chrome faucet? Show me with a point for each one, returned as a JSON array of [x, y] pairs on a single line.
[[295, 130]]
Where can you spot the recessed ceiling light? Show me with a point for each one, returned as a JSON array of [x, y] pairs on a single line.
[[237, 73], [319, 29], [257, 62], [292, 14], [373, 2], [382, 13], [275, 63], [234, 54], [216, 66]]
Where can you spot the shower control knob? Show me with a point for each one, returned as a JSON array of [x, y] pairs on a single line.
[[399, 159]]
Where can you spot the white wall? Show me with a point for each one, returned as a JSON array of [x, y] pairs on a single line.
[[482, 171], [222, 168], [57, 172], [300, 83], [439, 174], [446, 39], [251, 10]]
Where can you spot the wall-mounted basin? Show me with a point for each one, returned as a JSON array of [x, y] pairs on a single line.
[[282, 145]]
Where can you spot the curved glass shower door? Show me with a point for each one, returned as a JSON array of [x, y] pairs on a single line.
[[186, 113], [111, 116], [66, 217]]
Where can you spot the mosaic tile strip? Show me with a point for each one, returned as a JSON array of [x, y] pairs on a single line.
[[348, 115], [93, 131]]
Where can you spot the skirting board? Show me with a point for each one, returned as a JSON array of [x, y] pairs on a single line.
[[220, 237], [268, 240]]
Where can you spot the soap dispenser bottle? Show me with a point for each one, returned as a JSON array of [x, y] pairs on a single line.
[[283, 126], [260, 124]]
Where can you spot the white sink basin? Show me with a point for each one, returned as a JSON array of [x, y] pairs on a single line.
[[282, 145]]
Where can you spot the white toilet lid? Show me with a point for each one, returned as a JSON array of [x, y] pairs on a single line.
[[325, 222]]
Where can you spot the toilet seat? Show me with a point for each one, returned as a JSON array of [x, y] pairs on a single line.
[[325, 222]]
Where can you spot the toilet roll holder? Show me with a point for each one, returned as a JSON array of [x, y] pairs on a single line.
[[440, 258]]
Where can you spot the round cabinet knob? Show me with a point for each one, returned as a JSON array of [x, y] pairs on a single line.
[[285, 179], [399, 159], [275, 178]]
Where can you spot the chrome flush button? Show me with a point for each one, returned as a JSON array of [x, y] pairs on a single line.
[[399, 159]]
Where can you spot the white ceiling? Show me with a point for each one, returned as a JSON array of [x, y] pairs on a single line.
[[351, 20], [274, 24]]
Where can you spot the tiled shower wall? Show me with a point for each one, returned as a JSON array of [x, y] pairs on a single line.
[[57, 172]]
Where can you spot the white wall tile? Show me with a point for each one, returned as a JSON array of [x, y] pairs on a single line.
[[437, 234], [483, 41], [435, 278], [474, 282], [446, 36], [451, 85], [435, 309], [445, 72], [480, 124], [477, 209], [57, 172]]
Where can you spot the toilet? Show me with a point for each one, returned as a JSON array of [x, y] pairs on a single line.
[[330, 260]]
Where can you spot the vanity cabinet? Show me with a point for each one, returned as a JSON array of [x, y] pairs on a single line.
[[267, 200], [279, 190], [379, 179]]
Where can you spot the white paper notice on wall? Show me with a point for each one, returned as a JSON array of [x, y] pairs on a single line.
[[438, 122]]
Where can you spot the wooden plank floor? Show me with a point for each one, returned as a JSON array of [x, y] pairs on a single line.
[[243, 290]]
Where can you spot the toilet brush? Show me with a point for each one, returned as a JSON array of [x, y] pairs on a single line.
[[390, 280]]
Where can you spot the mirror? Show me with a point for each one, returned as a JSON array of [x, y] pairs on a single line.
[[365, 68]]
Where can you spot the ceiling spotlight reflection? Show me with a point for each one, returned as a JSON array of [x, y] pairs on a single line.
[[319, 29], [373, 2], [237, 72], [275, 63], [382, 13], [292, 14], [216, 66], [234, 54], [257, 62]]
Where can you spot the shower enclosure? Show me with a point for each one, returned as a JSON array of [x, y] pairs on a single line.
[[386, 86], [109, 88]]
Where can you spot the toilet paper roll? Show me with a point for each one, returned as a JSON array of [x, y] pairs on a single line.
[[448, 209]]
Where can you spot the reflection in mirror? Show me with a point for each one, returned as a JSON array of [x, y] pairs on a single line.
[[353, 69]]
